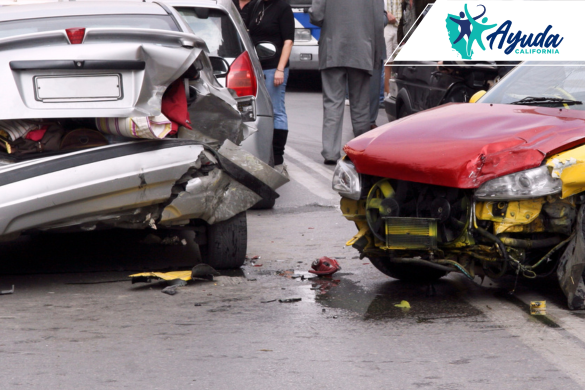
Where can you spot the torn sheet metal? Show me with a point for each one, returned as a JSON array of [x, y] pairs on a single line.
[[572, 265], [224, 192], [215, 116]]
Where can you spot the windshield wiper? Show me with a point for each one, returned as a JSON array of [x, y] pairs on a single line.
[[547, 100]]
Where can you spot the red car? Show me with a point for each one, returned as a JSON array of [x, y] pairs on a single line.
[[491, 188]]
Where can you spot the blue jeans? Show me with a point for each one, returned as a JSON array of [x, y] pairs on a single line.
[[277, 97]]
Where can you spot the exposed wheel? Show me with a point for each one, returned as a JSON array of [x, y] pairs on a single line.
[[402, 112], [226, 243], [406, 272]]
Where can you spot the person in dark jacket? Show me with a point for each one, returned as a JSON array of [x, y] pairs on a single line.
[[244, 8], [273, 21]]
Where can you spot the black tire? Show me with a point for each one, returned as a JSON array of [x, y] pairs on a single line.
[[226, 243], [403, 112], [414, 273]]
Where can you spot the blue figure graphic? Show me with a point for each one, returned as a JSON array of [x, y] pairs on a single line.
[[465, 25], [478, 29]]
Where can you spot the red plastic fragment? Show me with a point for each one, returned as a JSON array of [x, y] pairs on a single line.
[[174, 106], [325, 266], [36, 135]]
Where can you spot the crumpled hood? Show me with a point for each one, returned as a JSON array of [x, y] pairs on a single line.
[[464, 145]]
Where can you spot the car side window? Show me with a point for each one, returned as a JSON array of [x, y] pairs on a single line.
[[217, 30]]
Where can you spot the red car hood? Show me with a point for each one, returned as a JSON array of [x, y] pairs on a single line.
[[464, 145]]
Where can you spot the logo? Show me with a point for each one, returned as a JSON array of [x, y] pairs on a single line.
[[466, 31]]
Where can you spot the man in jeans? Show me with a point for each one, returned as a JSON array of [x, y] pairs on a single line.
[[347, 55]]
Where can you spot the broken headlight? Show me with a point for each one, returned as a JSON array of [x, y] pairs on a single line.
[[346, 180], [532, 183]]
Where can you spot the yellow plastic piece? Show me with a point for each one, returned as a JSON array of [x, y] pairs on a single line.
[[183, 275], [403, 305], [476, 96], [569, 166], [518, 213], [538, 308]]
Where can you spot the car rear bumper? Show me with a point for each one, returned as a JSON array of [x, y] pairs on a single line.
[[304, 57]]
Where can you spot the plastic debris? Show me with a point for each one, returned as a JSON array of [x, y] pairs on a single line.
[[145, 277], [538, 308], [271, 300], [325, 266], [290, 300], [204, 271], [6, 292], [403, 305]]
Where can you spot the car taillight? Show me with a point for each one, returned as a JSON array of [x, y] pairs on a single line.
[[241, 77], [75, 35]]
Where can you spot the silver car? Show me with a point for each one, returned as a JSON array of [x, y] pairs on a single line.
[[90, 92]]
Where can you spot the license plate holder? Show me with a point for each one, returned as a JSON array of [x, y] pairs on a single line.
[[78, 88]]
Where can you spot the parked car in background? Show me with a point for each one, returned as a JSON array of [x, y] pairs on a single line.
[[418, 86], [492, 188], [305, 51], [112, 116]]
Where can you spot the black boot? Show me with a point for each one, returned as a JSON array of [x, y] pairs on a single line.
[[278, 142]]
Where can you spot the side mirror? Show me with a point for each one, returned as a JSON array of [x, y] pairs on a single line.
[[220, 66], [265, 50], [476, 96]]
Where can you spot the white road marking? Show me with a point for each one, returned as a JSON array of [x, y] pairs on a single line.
[[556, 345], [301, 158], [310, 183]]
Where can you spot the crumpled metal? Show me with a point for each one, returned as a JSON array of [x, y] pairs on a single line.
[[571, 267]]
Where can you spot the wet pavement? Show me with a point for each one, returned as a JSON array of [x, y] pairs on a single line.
[[75, 320]]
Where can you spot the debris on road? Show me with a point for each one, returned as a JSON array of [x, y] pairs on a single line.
[[153, 239], [538, 308], [171, 290], [204, 271], [145, 277], [403, 305], [290, 300], [271, 300], [325, 266], [6, 292]]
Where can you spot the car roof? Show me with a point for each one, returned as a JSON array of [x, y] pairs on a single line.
[[76, 8]]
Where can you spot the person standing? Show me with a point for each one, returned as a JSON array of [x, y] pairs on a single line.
[[347, 54], [273, 21], [244, 8]]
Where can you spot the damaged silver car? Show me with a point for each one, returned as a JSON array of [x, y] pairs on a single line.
[[111, 116]]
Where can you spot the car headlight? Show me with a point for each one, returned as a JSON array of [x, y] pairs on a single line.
[[346, 180], [532, 183], [302, 35]]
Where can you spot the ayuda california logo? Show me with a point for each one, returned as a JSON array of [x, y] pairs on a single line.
[[466, 32]]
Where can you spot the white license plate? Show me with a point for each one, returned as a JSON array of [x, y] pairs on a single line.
[[78, 88]]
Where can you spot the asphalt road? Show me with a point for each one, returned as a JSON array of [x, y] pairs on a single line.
[[76, 322]]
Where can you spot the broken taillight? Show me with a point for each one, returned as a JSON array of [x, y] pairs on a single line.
[[241, 77], [75, 35]]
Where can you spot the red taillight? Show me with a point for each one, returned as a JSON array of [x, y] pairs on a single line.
[[241, 77], [75, 35]]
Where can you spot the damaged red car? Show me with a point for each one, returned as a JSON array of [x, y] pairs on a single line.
[[492, 188]]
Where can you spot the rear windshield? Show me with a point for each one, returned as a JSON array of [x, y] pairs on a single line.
[[217, 30], [29, 26]]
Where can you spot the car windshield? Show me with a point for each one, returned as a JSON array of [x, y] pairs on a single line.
[[216, 29], [29, 26], [543, 84]]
